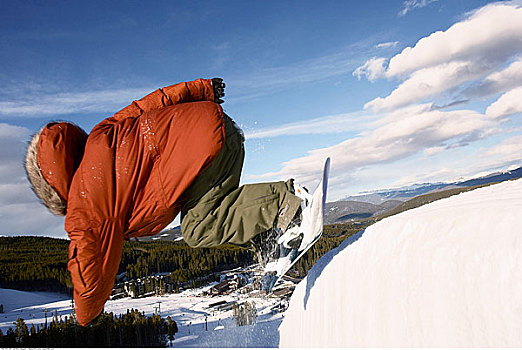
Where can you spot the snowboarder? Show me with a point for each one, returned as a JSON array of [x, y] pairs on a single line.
[[173, 151]]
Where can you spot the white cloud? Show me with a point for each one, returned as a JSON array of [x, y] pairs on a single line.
[[505, 154], [13, 131], [15, 192], [12, 148], [387, 45], [410, 5], [491, 34], [468, 51], [323, 125], [508, 104], [39, 105], [429, 82], [372, 69], [498, 82], [400, 134], [509, 148], [30, 219], [20, 211], [434, 150]]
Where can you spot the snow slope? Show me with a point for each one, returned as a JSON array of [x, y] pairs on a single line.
[[31, 306], [448, 274], [15, 299], [199, 326]]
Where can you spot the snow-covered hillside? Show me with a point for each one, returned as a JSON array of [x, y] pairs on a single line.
[[199, 326], [445, 274]]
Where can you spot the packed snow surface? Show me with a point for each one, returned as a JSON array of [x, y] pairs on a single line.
[[15, 299], [448, 274]]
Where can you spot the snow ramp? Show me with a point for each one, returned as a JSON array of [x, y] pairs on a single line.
[[447, 274]]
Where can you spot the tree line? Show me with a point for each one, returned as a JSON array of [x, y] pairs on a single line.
[[140, 259], [132, 329], [34, 263], [40, 263]]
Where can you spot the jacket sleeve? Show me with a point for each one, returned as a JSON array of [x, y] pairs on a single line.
[[94, 226], [93, 264], [191, 91]]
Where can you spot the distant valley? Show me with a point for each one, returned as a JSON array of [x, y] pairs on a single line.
[[342, 211]]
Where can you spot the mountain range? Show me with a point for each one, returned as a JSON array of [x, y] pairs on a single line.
[[374, 203]]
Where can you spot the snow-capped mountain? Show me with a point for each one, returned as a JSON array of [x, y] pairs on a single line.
[[408, 192]]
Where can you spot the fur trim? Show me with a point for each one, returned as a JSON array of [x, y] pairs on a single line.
[[47, 195]]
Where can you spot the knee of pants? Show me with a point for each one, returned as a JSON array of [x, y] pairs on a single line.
[[187, 230], [198, 233]]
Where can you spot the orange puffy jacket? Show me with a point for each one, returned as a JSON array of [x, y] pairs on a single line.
[[135, 167]]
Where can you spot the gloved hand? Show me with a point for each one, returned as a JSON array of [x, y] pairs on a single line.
[[219, 89]]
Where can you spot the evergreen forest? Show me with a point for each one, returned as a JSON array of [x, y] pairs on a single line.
[[132, 329], [40, 263]]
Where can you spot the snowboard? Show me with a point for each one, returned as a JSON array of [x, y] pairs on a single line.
[[311, 230]]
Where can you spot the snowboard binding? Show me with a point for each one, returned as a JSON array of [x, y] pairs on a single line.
[[298, 239]]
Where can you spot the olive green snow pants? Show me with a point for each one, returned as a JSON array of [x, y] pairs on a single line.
[[217, 211]]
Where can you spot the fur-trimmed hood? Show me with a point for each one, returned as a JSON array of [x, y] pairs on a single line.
[[53, 155]]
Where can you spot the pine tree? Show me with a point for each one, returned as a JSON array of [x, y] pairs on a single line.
[[21, 331]]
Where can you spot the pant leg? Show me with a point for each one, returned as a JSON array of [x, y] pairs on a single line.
[[217, 211]]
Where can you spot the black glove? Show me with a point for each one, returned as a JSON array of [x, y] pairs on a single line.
[[219, 89]]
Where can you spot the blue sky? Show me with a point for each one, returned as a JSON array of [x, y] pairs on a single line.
[[396, 92]]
